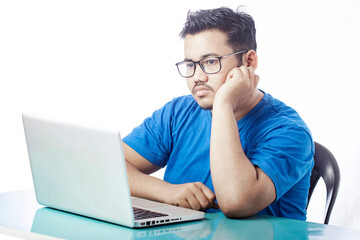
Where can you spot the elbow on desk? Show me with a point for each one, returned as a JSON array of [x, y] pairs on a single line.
[[237, 208]]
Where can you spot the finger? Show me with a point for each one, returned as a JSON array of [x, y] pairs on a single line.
[[200, 200], [196, 198], [203, 200], [183, 203], [256, 81], [237, 72], [210, 196], [253, 77], [194, 203], [211, 201], [191, 196], [231, 74], [243, 72], [251, 72]]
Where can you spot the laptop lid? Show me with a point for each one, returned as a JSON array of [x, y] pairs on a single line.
[[78, 169], [81, 169]]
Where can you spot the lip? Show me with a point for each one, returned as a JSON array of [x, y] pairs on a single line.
[[201, 91]]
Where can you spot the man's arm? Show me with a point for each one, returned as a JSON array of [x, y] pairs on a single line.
[[241, 188], [190, 195]]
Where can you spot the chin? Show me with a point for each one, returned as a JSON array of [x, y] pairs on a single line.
[[206, 107], [204, 104]]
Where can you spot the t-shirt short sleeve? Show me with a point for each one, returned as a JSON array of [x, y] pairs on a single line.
[[152, 139], [285, 155]]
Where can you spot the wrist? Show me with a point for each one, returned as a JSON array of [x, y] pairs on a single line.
[[222, 104], [163, 192]]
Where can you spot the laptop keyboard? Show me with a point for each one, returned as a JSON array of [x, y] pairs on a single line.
[[140, 213]]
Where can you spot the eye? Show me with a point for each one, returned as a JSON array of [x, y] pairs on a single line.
[[189, 64], [211, 61]]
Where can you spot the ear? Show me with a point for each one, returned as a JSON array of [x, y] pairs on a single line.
[[250, 59]]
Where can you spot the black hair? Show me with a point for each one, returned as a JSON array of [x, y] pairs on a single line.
[[238, 26]]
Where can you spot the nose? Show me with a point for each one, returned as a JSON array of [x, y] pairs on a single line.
[[199, 75]]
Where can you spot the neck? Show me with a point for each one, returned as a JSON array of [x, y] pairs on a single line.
[[253, 101]]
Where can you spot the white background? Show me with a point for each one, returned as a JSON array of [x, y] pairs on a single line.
[[112, 63]]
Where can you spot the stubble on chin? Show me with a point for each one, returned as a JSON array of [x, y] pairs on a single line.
[[204, 103]]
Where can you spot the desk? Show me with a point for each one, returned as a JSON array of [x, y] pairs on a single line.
[[19, 210]]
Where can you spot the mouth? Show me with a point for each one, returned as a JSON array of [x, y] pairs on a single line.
[[200, 90]]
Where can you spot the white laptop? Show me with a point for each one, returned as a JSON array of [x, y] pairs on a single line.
[[82, 170]]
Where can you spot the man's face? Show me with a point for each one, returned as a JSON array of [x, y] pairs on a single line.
[[209, 43]]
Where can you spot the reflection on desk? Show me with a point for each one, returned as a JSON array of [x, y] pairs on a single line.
[[19, 210], [70, 226], [216, 226]]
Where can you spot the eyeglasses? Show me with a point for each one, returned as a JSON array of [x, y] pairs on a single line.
[[209, 65]]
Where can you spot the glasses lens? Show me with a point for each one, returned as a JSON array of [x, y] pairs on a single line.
[[210, 65], [186, 69]]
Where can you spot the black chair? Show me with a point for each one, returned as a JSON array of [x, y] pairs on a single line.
[[326, 167]]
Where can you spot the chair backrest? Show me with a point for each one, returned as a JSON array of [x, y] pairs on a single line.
[[326, 167]]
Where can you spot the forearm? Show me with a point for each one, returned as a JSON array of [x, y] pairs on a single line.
[[239, 188], [145, 186], [190, 195]]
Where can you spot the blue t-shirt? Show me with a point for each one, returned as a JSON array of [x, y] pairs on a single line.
[[273, 137]]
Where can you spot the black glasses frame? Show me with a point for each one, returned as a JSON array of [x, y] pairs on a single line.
[[202, 67]]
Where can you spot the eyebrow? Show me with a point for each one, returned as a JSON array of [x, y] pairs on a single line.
[[203, 56]]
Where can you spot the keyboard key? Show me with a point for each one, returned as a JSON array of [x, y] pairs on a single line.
[[144, 214]]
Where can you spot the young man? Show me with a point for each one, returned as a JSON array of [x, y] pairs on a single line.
[[228, 145]]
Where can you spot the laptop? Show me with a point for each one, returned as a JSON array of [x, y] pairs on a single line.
[[81, 169]]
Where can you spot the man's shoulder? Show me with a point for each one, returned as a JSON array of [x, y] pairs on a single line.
[[279, 110], [276, 104], [273, 116], [286, 120]]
